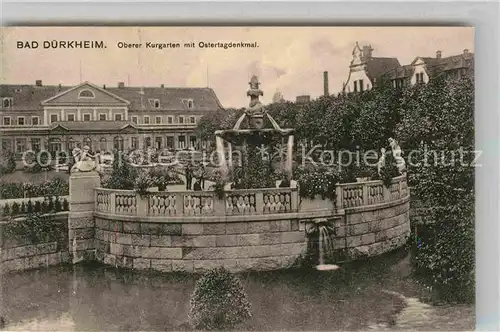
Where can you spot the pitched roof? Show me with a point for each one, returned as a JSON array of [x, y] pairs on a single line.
[[92, 125], [399, 72], [204, 99], [29, 97], [98, 96], [439, 65], [376, 67]]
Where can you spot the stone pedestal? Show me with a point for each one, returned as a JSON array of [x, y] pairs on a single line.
[[81, 218]]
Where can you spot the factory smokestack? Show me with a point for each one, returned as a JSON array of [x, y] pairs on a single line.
[[325, 83]]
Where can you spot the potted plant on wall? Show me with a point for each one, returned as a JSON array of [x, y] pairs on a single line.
[[317, 188], [142, 183]]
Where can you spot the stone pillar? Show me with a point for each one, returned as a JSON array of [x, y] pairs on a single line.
[[81, 219]]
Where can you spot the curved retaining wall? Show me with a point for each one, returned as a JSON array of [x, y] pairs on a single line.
[[197, 247], [247, 229]]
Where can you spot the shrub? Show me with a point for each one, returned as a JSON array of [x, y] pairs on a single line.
[[57, 205], [15, 209], [38, 207], [65, 205], [35, 227], [122, 174], [11, 163], [29, 207], [443, 258], [6, 210], [218, 301]]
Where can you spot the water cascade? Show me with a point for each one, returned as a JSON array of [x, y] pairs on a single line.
[[325, 241]]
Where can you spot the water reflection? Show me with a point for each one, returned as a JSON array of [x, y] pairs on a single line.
[[98, 298]]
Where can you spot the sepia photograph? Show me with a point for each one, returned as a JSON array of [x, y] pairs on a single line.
[[240, 178]]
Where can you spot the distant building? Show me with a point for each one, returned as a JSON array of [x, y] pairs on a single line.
[[303, 99], [57, 118], [366, 71]]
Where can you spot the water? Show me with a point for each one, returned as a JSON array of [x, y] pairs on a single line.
[[98, 298]]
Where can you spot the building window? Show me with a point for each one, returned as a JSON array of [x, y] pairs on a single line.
[[118, 117], [170, 119], [361, 86], [35, 144], [53, 118], [70, 117], [181, 119], [147, 142], [420, 78], [146, 119], [155, 103], [35, 120], [118, 143], [6, 120], [170, 142], [189, 103], [355, 86], [103, 144], [192, 119], [135, 120], [192, 142], [20, 121], [7, 102], [86, 94], [182, 142], [158, 120], [103, 117], [158, 142], [133, 143], [86, 117], [71, 144], [20, 145]]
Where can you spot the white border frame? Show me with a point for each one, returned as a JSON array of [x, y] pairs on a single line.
[[483, 15]]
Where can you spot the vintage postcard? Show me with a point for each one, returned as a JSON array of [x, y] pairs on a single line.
[[237, 178]]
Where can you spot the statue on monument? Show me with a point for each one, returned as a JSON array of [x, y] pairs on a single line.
[[85, 161], [396, 153]]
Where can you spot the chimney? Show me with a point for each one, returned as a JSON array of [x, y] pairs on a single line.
[[367, 52], [438, 54], [60, 86], [121, 84], [104, 86], [163, 85], [38, 82], [325, 83], [466, 52]]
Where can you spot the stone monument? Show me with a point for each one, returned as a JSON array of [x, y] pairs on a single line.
[[83, 180]]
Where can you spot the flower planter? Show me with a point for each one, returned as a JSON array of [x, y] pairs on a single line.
[[316, 204]]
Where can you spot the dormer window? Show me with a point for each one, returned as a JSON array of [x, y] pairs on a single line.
[[155, 103], [7, 102], [189, 103], [86, 94]]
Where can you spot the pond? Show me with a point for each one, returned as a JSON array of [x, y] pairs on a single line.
[[94, 297]]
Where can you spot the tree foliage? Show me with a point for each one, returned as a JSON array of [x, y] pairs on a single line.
[[123, 174]]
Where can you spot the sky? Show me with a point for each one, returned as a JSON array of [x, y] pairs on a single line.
[[288, 59]]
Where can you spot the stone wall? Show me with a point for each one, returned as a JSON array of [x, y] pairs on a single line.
[[18, 253], [375, 229], [197, 247]]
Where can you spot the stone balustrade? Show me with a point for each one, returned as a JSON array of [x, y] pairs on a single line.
[[196, 203], [239, 202]]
